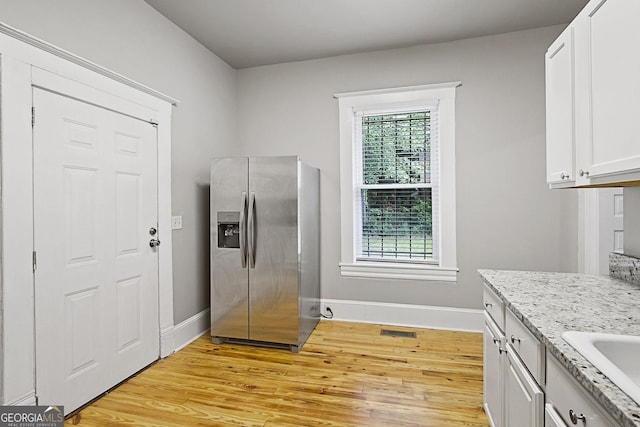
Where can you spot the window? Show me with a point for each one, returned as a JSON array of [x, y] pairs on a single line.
[[394, 188], [398, 183]]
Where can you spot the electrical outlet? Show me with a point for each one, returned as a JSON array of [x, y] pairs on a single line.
[[176, 222]]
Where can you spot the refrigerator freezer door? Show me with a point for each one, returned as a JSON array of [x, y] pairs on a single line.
[[274, 278], [229, 272]]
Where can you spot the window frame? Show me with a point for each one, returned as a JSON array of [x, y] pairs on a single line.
[[398, 99]]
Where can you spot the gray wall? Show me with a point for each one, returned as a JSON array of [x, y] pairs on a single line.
[[131, 38], [507, 217]]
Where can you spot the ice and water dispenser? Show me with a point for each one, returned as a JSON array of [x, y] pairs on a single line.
[[228, 229]]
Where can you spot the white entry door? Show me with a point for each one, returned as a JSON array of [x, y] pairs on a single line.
[[96, 275]]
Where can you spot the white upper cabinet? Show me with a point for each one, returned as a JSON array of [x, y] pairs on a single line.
[[593, 88], [613, 30], [559, 62]]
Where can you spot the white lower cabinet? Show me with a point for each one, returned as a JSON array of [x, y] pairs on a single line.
[[568, 400], [512, 395], [524, 384], [524, 399]]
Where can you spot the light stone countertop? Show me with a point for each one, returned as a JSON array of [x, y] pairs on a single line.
[[551, 303]]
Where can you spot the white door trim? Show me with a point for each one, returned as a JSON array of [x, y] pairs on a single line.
[[17, 60], [588, 231], [41, 45]]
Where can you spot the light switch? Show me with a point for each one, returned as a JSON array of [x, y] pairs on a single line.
[[176, 222]]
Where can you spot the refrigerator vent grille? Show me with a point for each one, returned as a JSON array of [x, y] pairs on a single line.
[[402, 334]]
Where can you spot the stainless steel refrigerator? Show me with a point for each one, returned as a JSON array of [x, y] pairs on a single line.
[[265, 255]]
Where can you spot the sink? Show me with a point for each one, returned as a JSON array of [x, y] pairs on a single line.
[[616, 356]]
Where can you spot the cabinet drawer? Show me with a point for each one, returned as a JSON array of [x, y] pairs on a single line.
[[494, 306], [565, 394], [552, 418], [526, 345]]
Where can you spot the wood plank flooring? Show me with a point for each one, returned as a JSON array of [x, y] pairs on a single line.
[[347, 374]]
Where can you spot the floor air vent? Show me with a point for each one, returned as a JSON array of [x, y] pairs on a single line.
[[401, 334]]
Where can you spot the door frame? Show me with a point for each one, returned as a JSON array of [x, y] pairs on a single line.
[[25, 61], [588, 231]]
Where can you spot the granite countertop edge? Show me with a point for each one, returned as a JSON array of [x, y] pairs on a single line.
[[615, 402]]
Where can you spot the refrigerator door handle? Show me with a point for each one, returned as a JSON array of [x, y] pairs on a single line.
[[243, 230], [251, 228]]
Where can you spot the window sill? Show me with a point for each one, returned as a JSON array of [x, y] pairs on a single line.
[[384, 270]]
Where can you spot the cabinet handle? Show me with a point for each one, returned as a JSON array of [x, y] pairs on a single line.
[[514, 339], [584, 173], [496, 340], [575, 417], [502, 350], [564, 175], [488, 305]]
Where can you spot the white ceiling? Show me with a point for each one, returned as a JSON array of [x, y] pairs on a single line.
[[248, 33]]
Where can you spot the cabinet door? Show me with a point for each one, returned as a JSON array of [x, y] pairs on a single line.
[[611, 29], [493, 372], [559, 66], [524, 399]]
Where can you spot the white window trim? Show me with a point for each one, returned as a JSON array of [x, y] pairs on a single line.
[[382, 99]]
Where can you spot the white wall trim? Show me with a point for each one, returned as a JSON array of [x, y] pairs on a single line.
[[384, 270], [419, 316], [68, 56], [191, 329], [444, 85]]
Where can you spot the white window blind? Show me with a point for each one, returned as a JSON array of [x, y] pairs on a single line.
[[396, 178]]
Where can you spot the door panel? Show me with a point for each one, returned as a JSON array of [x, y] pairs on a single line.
[[229, 279], [80, 186], [129, 308], [96, 283], [81, 329], [273, 291], [127, 213]]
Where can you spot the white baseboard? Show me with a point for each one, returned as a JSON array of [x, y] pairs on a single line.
[[191, 329], [420, 316], [28, 399]]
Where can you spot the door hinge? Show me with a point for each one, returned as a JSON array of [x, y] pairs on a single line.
[[37, 398], [35, 262], [33, 116]]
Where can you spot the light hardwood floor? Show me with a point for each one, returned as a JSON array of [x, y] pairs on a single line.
[[347, 374]]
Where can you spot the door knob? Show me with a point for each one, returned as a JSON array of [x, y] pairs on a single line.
[[574, 417], [154, 242], [153, 231]]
